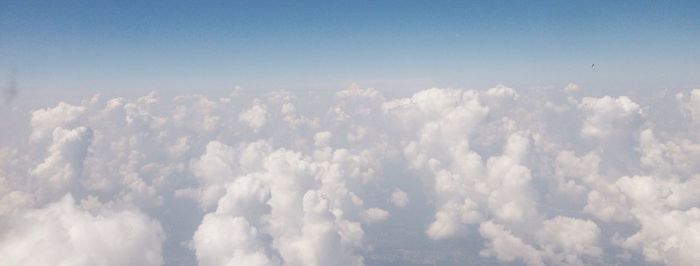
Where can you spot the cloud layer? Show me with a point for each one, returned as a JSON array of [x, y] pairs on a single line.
[[536, 177]]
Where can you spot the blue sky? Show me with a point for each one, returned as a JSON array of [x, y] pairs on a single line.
[[128, 45]]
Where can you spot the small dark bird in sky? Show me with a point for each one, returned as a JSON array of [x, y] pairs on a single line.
[[593, 66]]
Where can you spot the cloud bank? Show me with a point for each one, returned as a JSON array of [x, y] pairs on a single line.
[[447, 176]]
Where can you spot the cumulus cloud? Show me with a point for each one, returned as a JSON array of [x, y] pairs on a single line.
[[571, 87], [355, 177], [373, 215], [45, 120], [226, 240], [566, 240], [693, 104], [65, 234], [607, 115], [671, 238], [64, 161], [502, 244], [399, 198], [255, 117]]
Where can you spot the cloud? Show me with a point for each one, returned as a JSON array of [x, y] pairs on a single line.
[[671, 238], [64, 162], [607, 115], [537, 177], [693, 104], [565, 240], [226, 240], [571, 87], [373, 215], [505, 246], [65, 234], [255, 117], [399, 198], [45, 120]]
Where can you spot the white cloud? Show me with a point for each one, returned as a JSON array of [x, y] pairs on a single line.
[[226, 240], [399, 198], [255, 117], [64, 234], [45, 120], [607, 115], [502, 244], [571, 87], [322, 138], [671, 238], [247, 196], [64, 162], [213, 169], [566, 240], [541, 176], [694, 104], [501, 91], [450, 219], [374, 215]]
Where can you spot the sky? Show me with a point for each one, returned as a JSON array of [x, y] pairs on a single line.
[[349, 133], [93, 46]]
